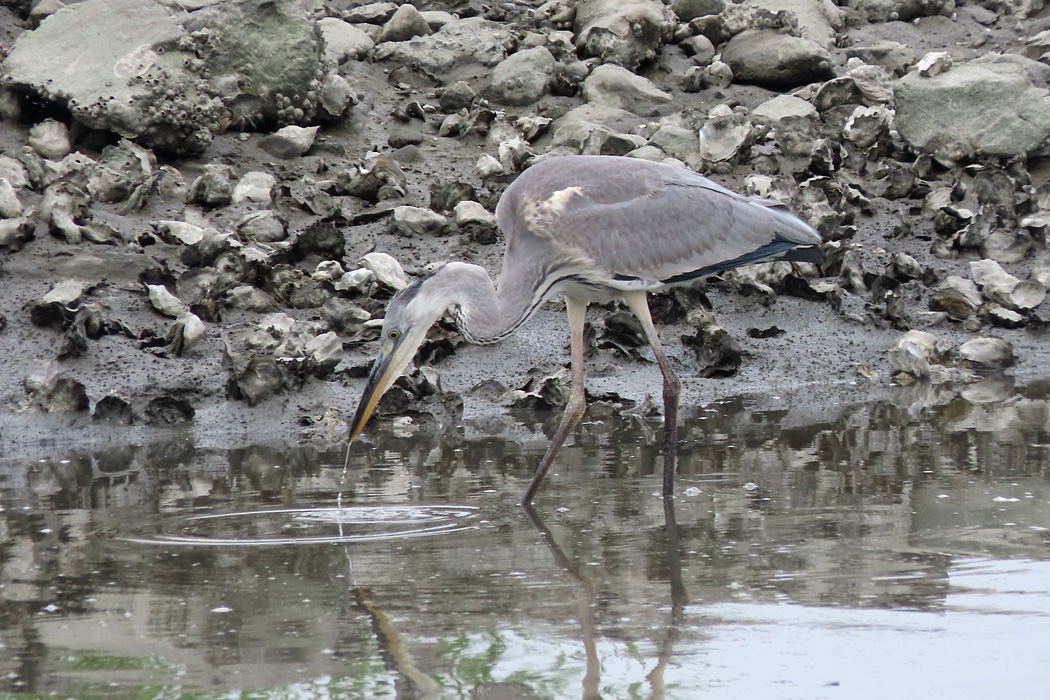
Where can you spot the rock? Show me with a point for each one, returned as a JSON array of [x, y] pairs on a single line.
[[53, 391], [700, 48], [459, 95], [991, 353], [625, 32], [387, 271], [322, 239], [15, 232], [50, 139], [874, 83], [261, 227], [469, 212], [676, 141], [186, 332], [170, 81], [899, 10], [777, 61], [724, 134], [214, 187], [324, 351], [166, 302], [895, 57], [772, 111], [971, 111], [957, 296], [488, 166], [120, 171], [343, 41], [593, 139], [113, 409], [867, 125], [907, 357], [169, 410], [796, 136], [459, 45], [417, 221], [687, 10], [290, 141], [404, 24], [933, 63], [254, 187], [523, 77], [336, 95], [370, 13], [615, 86], [10, 206]]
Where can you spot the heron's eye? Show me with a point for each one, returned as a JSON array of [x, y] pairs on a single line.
[[393, 334]]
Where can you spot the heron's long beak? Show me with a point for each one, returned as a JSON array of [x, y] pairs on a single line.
[[387, 367]]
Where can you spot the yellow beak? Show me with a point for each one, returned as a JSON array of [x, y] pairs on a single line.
[[385, 370]]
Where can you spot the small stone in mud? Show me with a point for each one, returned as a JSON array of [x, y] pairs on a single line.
[[169, 410], [992, 353], [113, 409], [54, 391], [289, 141]]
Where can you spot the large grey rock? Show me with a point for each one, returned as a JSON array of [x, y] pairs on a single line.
[[523, 77], [458, 45], [903, 10], [771, 59], [817, 19], [170, 81], [625, 32], [972, 110], [687, 10], [405, 23], [772, 111], [615, 86], [343, 41]]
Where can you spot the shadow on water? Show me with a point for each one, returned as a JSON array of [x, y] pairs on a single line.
[[898, 547]]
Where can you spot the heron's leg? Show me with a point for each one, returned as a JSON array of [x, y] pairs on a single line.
[[637, 302], [577, 397]]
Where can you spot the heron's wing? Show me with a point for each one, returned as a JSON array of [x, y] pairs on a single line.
[[636, 219]]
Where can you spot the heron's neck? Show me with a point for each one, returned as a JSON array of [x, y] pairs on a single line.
[[482, 314]]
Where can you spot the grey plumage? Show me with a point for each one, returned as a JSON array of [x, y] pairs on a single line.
[[591, 228]]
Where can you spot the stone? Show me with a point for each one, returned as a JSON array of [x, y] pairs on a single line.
[[958, 297], [336, 95], [458, 46], [290, 141], [867, 125], [387, 271], [343, 41], [899, 10], [991, 353], [10, 206], [120, 171], [261, 227], [971, 111], [470, 212], [255, 186], [166, 302], [778, 61], [724, 134], [523, 77], [417, 221], [214, 187], [687, 10], [625, 32], [170, 81], [404, 24], [700, 48], [772, 111], [907, 357], [50, 139], [894, 57], [615, 86], [676, 141]]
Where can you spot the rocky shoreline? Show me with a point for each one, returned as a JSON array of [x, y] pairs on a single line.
[[204, 207]]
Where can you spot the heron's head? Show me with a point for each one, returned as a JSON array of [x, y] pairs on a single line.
[[409, 316]]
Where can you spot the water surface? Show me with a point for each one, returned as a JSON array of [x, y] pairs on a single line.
[[889, 549]]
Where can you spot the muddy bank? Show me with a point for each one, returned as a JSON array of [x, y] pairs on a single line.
[[197, 251]]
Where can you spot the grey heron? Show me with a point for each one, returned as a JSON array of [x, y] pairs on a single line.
[[590, 228]]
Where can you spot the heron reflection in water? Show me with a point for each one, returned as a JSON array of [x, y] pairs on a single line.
[[592, 229]]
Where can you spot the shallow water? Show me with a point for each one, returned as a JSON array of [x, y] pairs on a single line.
[[896, 549]]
